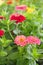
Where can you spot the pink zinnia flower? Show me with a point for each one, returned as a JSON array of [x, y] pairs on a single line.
[[21, 7], [1, 33], [17, 17], [20, 40], [33, 40]]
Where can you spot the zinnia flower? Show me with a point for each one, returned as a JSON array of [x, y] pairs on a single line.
[[2, 17], [17, 17], [17, 0], [20, 40], [9, 2], [21, 7], [33, 40], [1, 33], [30, 10]]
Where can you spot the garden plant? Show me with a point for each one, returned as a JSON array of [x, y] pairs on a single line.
[[21, 32]]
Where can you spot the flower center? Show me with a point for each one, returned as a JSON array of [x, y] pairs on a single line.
[[21, 39]]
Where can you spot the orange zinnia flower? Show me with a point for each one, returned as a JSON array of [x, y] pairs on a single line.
[[9, 1], [17, 0]]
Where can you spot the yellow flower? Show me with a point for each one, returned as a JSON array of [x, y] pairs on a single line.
[[1, 2], [30, 10]]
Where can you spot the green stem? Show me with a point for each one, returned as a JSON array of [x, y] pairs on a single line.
[[10, 32], [20, 49], [11, 35]]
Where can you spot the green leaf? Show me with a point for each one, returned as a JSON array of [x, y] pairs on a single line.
[[5, 42], [13, 56], [3, 53]]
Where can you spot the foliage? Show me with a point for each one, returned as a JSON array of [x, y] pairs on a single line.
[[10, 53]]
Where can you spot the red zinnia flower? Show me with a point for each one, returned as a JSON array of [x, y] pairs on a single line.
[[2, 17], [1, 33], [18, 18]]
